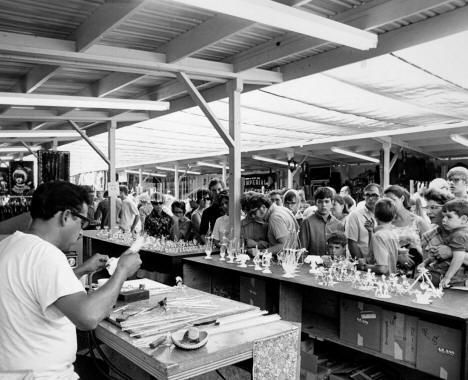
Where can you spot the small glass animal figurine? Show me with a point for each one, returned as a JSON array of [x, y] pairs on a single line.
[[257, 260], [314, 261], [266, 262]]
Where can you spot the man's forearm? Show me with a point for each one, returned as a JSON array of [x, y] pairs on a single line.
[[81, 270]]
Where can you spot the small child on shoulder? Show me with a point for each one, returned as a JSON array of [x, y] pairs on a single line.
[[451, 272], [383, 241]]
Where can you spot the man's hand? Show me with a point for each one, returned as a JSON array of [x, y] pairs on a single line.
[[129, 263], [404, 259], [251, 243], [96, 262], [369, 226]]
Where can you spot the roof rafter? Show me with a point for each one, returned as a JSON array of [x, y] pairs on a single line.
[[367, 17]]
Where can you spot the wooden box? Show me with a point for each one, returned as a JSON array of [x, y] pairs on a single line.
[[439, 350], [360, 324]]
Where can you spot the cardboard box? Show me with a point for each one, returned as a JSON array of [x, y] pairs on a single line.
[[439, 350], [361, 324], [399, 336]]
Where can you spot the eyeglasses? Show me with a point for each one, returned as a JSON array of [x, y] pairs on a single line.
[[156, 203], [84, 220], [433, 207], [371, 195], [207, 199], [456, 180]]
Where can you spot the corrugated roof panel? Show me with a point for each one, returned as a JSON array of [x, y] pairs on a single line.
[[45, 18]]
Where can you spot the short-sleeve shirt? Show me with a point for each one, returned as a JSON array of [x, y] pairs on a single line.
[[458, 239], [158, 225], [385, 246], [254, 229], [34, 334], [281, 224], [315, 231], [127, 216], [222, 227], [209, 217], [355, 229]]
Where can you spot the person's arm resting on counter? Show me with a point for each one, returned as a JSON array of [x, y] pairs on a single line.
[[87, 310]]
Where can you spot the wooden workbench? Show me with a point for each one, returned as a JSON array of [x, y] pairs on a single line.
[[166, 265], [320, 308], [222, 349]]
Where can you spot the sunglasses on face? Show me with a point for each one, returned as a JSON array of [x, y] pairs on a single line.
[[156, 203], [83, 219], [371, 195], [207, 199]]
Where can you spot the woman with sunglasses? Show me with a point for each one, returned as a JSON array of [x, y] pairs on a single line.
[[158, 223], [204, 201]]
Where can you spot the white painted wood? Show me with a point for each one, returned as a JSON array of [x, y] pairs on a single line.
[[367, 17], [42, 100], [234, 89], [284, 17], [105, 19], [112, 126], [89, 141], [42, 50], [208, 33], [29, 149], [38, 76], [290, 173], [423, 31], [176, 180], [386, 163], [114, 82], [198, 99]]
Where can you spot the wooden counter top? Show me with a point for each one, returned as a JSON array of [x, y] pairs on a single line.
[[454, 303]]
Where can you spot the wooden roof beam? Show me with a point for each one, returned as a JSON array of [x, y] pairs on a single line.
[[367, 17]]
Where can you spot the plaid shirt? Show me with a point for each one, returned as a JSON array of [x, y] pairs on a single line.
[[435, 236]]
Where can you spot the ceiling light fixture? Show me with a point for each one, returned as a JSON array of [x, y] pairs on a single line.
[[24, 134], [14, 149], [459, 139], [146, 173], [282, 16], [40, 100], [353, 154], [180, 170], [211, 165], [271, 160], [6, 157]]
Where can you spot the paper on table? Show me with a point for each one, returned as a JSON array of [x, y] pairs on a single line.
[[137, 244], [135, 247], [111, 265]]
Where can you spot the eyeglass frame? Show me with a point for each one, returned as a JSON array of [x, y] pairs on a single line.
[[85, 221]]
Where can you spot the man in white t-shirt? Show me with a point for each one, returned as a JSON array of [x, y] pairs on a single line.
[[129, 216], [42, 300]]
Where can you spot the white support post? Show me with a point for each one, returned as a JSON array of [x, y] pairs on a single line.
[[234, 88], [113, 188], [290, 173], [140, 180], [386, 163], [224, 175], [176, 180], [54, 145]]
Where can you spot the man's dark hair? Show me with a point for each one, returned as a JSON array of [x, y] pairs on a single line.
[[338, 238], [322, 193], [458, 206], [214, 182], [385, 210], [245, 199], [52, 197], [106, 194], [275, 192], [201, 193], [223, 195], [437, 196], [371, 185], [178, 204], [256, 201], [123, 189]]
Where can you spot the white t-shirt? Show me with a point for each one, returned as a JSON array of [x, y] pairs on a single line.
[[355, 230], [128, 213], [221, 228], [34, 334]]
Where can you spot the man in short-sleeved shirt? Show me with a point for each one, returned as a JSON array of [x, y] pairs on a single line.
[[129, 215], [42, 299], [34, 333], [357, 234], [281, 224]]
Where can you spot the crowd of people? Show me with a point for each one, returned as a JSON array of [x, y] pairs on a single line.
[[389, 231]]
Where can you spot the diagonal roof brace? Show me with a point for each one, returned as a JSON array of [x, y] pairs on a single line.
[[89, 141], [198, 99]]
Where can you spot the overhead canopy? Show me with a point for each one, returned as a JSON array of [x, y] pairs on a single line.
[[135, 49], [399, 92]]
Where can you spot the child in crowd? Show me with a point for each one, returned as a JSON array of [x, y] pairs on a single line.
[[383, 241], [451, 272], [336, 245], [316, 228]]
